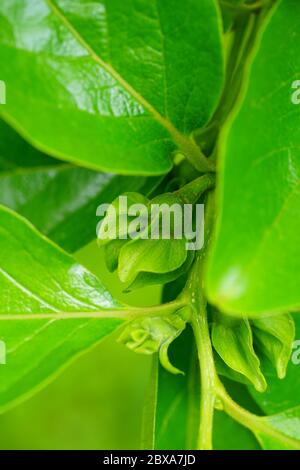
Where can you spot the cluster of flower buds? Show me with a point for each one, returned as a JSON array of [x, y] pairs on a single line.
[[144, 239]]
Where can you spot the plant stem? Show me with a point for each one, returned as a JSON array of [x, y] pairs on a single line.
[[234, 410], [255, 423], [194, 155], [244, 6], [207, 374], [246, 36], [199, 322], [191, 192]]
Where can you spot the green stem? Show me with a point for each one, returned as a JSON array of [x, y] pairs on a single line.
[[235, 411], [244, 6], [242, 49], [207, 376], [195, 156], [191, 192], [244, 40], [255, 423], [211, 387], [200, 327]]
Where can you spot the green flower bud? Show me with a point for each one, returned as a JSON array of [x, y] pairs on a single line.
[[146, 244], [149, 335]]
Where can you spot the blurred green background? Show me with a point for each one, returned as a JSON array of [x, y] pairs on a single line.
[[96, 403]]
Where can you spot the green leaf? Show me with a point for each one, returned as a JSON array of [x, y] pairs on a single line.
[[274, 337], [149, 410], [230, 435], [282, 431], [152, 256], [16, 154], [255, 259], [276, 432], [116, 85], [59, 199], [39, 282], [229, 10], [233, 341], [171, 415], [175, 406], [225, 371], [281, 394], [88, 190], [146, 279], [112, 252], [281, 400]]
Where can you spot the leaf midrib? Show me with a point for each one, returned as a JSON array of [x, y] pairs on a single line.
[[181, 140], [108, 67]]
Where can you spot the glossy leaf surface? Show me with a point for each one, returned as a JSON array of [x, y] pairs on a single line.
[[282, 431], [38, 278], [59, 199], [255, 259], [132, 79]]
